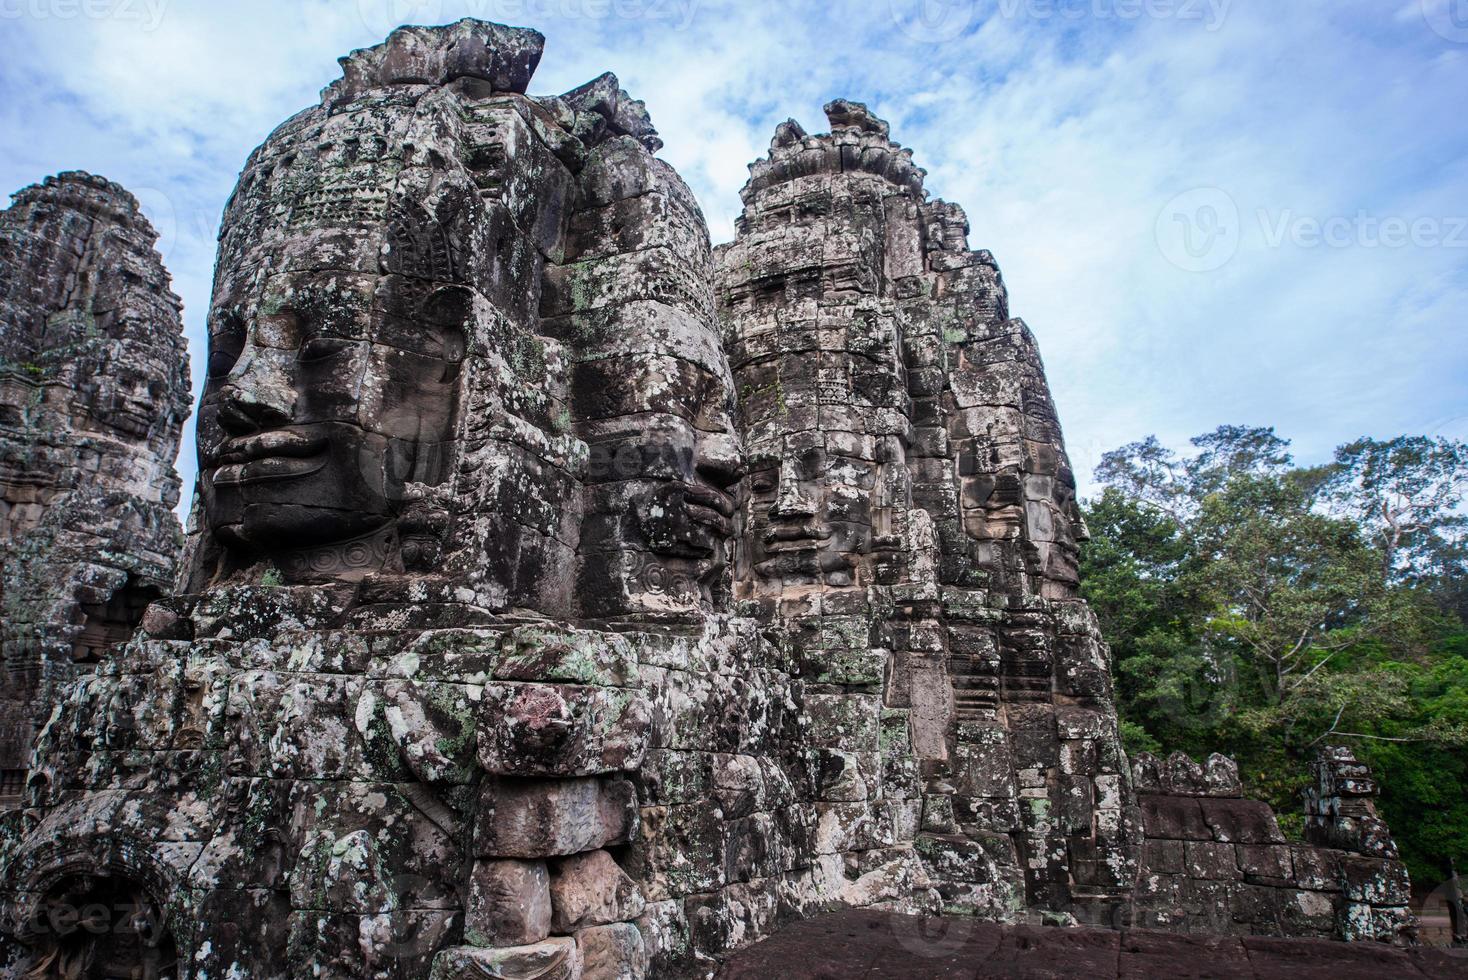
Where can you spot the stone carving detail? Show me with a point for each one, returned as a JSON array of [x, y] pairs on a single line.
[[566, 598], [884, 396], [95, 390]]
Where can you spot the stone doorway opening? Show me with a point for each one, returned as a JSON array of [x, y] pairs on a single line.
[[101, 928]]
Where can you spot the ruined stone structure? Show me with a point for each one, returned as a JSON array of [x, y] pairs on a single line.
[[564, 599], [1215, 862], [94, 389]]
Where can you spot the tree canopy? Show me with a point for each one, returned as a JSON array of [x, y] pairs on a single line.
[[1264, 609]]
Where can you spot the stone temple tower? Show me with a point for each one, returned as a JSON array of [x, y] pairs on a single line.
[[95, 390], [911, 519]]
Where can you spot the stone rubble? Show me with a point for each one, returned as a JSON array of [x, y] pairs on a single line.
[[566, 598]]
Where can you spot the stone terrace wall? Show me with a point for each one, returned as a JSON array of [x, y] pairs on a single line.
[[1215, 862]]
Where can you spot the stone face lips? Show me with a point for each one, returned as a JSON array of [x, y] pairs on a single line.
[[96, 387]]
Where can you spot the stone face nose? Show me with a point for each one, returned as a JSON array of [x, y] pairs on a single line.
[[791, 500], [259, 394], [719, 461]]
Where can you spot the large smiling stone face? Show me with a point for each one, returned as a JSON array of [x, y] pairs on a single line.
[[810, 512], [657, 414], [326, 395]]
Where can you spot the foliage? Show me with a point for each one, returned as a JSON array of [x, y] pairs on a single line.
[[1265, 609]]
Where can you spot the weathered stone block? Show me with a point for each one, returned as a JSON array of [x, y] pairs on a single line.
[[545, 653], [554, 959], [612, 952], [590, 889], [1174, 818], [1241, 821], [509, 903], [561, 729], [840, 776], [535, 818], [1372, 880], [1212, 861], [1162, 857], [843, 721]]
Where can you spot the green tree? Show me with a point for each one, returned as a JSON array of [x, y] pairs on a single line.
[[1263, 609]]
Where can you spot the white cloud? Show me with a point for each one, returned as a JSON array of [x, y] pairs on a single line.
[[1062, 138]]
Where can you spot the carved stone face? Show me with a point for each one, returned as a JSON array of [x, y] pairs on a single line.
[[127, 389], [664, 459], [811, 513], [326, 395]]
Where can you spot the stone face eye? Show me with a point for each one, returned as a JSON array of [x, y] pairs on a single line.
[[226, 342], [320, 349], [221, 361]]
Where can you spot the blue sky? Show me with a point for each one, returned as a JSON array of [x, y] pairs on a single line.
[[1209, 211]]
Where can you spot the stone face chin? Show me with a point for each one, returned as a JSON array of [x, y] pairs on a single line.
[[566, 598]]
